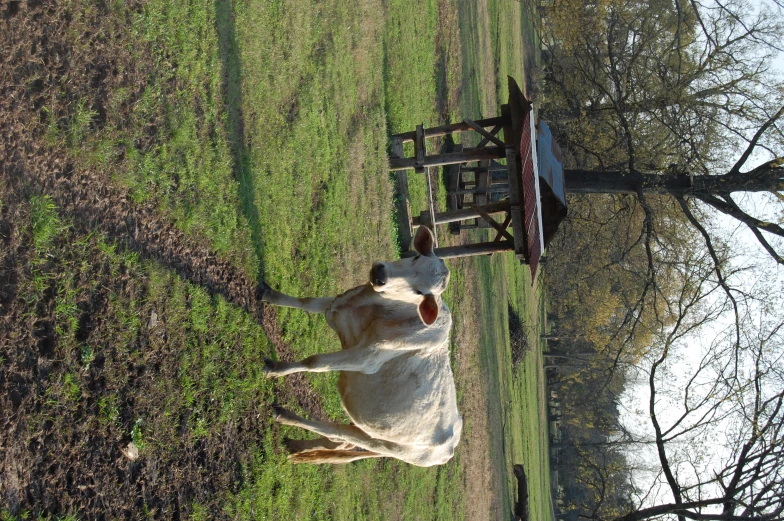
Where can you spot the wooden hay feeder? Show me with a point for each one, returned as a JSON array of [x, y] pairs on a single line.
[[527, 191]]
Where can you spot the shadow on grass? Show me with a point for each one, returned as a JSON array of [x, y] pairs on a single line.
[[232, 95]]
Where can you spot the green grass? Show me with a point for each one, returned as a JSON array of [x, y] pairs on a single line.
[[262, 131], [410, 83], [511, 31], [311, 100], [168, 142], [519, 426], [45, 223]]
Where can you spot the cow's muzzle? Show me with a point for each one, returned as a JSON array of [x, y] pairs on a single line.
[[379, 275]]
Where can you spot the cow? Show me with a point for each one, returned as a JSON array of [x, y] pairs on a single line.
[[395, 382]]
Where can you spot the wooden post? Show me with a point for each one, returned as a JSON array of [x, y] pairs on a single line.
[[420, 149], [515, 204]]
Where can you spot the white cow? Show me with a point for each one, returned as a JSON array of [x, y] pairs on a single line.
[[395, 381]]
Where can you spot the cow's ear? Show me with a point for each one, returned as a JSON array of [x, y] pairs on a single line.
[[428, 309], [423, 242]]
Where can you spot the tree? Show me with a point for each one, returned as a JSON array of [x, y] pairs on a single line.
[[733, 396], [670, 110], [669, 92]]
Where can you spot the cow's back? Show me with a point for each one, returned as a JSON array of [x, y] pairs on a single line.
[[411, 400]]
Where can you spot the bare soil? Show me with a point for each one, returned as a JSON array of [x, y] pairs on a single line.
[[62, 464]]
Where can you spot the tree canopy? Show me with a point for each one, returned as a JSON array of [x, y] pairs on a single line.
[[670, 116], [673, 92]]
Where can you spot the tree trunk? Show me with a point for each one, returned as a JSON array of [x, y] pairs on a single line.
[[671, 508], [564, 354], [565, 366], [765, 178]]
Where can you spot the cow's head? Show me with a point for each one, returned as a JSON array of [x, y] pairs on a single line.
[[420, 279]]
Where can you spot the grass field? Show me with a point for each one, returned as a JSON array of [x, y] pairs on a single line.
[[166, 157]]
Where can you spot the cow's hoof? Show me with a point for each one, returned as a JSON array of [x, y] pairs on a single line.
[[294, 446], [269, 368], [281, 415], [263, 292]]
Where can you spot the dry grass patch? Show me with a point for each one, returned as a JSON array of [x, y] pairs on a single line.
[[366, 49], [474, 448], [486, 61], [450, 56]]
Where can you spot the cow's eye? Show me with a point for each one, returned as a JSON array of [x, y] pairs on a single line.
[[417, 292]]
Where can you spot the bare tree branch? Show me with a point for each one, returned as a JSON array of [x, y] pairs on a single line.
[[753, 143]]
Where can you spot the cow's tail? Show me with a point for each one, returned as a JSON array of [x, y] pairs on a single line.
[[331, 456]]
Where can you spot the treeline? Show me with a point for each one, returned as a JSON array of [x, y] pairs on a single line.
[[642, 279], [587, 288]]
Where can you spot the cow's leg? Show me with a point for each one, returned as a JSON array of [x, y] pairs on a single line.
[[313, 305], [340, 432], [359, 359], [324, 450], [295, 446], [334, 456]]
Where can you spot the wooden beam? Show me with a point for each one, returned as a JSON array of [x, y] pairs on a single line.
[[463, 214], [453, 182], [516, 202], [420, 148], [509, 136], [494, 132], [497, 189], [507, 221], [492, 222], [468, 250], [450, 129], [472, 154], [487, 135]]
